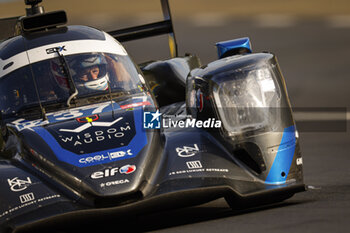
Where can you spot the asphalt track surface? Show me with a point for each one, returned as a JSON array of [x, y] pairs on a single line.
[[314, 57]]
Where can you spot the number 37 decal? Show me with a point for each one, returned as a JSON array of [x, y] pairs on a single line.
[[21, 123]]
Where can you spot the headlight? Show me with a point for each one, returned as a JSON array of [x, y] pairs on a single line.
[[246, 99]]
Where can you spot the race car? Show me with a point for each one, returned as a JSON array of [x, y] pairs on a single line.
[[86, 133]]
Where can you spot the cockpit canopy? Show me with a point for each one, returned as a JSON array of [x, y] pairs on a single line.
[[92, 66]]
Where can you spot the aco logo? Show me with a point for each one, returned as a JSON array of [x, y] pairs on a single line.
[[88, 119]]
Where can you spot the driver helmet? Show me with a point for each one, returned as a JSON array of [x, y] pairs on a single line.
[[59, 74], [90, 71]]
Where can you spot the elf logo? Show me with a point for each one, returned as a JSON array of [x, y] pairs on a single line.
[[127, 169]]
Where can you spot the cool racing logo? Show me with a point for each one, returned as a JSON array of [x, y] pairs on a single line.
[[110, 156]]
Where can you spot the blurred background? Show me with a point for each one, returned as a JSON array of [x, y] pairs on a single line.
[[311, 39]]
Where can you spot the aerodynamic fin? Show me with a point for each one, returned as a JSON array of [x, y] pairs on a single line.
[[7, 27], [152, 29]]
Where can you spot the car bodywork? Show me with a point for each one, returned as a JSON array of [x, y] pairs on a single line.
[[98, 157]]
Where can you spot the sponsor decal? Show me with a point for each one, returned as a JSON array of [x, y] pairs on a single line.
[[29, 203], [127, 169], [194, 164], [109, 172], [106, 173], [67, 114], [114, 182], [88, 119], [119, 154], [70, 147], [26, 197], [56, 49], [96, 136], [299, 161], [134, 105], [151, 120], [187, 151], [92, 159], [101, 157], [180, 172], [91, 124], [17, 185]]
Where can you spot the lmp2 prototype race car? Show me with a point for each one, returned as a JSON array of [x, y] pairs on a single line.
[[86, 133]]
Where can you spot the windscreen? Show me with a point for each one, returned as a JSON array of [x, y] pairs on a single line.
[[93, 74]]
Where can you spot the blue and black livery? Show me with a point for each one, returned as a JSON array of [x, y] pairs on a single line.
[[101, 161]]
